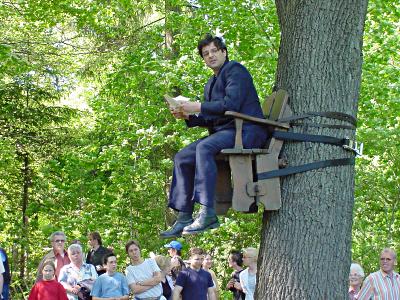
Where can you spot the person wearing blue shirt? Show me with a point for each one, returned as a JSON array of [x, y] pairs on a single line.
[[194, 177], [6, 274], [112, 284], [194, 283]]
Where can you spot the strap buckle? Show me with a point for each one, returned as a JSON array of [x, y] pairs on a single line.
[[354, 146]]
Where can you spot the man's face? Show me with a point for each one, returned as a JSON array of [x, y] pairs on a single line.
[[171, 252], [196, 261], [93, 242], [231, 262], [213, 57], [387, 262], [134, 252], [58, 243], [111, 265]]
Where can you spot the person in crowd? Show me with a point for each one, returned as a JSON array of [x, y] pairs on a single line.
[[48, 288], [1, 278], [235, 261], [177, 266], [111, 284], [383, 284], [164, 263], [96, 252], [356, 277], [195, 169], [143, 275], [174, 249], [6, 274], [207, 264], [194, 283], [77, 277], [57, 254], [248, 277]]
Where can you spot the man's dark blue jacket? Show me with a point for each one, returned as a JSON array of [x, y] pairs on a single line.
[[232, 89]]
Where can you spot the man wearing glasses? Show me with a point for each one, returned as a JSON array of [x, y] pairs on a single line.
[[58, 254], [384, 284], [194, 178]]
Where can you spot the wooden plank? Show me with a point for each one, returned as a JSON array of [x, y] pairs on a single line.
[[242, 173], [223, 188]]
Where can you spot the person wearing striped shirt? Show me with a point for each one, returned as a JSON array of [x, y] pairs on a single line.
[[384, 284]]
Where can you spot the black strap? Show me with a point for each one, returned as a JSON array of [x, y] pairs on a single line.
[[322, 125], [306, 167], [301, 137], [329, 114]]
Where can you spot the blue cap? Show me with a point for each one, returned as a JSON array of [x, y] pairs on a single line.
[[174, 244]]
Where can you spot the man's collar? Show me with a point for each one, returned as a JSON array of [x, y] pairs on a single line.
[[219, 71], [391, 275]]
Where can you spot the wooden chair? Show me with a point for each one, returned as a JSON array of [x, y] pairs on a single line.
[[237, 183]]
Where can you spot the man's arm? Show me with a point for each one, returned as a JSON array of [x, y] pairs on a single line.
[[211, 293], [142, 286], [177, 292], [367, 290]]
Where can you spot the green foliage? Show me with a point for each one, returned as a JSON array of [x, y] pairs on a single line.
[[376, 212], [108, 168]]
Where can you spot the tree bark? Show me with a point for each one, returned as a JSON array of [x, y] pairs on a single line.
[[306, 245]]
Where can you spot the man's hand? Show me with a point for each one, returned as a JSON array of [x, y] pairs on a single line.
[[178, 113], [190, 107]]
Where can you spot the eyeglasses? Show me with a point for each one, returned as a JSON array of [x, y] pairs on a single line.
[[59, 241], [212, 52], [385, 259]]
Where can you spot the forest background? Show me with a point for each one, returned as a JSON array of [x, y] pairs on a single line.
[[87, 142]]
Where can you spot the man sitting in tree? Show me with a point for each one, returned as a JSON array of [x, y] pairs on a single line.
[[195, 170]]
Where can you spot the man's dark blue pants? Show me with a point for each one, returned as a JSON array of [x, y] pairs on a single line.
[[195, 169]]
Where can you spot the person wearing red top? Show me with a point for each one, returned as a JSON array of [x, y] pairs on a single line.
[[48, 288]]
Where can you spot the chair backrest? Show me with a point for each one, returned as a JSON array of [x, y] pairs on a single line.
[[274, 105]]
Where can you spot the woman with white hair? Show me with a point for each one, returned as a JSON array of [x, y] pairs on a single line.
[[356, 277], [77, 277], [248, 277]]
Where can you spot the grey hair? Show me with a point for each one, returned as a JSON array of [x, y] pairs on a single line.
[[358, 269], [75, 247], [57, 233], [391, 251]]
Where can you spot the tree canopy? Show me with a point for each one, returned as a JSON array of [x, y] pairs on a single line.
[[87, 142]]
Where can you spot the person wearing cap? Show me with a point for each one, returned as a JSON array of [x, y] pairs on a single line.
[[174, 249], [194, 176]]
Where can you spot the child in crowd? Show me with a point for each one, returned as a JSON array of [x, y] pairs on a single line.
[[48, 288]]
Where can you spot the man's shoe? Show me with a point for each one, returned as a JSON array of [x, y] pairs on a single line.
[[202, 223], [176, 229]]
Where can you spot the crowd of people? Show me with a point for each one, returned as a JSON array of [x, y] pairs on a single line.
[[381, 285], [67, 274]]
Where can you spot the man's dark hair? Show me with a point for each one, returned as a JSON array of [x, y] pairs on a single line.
[[106, 256], [130, 243], [196, 251], [96, 236], [237, 257], [207, 40]]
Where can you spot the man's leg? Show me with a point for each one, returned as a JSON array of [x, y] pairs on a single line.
[[181, 192], [206, 177]]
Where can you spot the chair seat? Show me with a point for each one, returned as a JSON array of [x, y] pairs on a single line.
[[244, 151]]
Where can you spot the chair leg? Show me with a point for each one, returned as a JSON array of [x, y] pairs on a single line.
[[242, 173]]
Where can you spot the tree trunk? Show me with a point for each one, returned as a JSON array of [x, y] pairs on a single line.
[[306, 245]]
